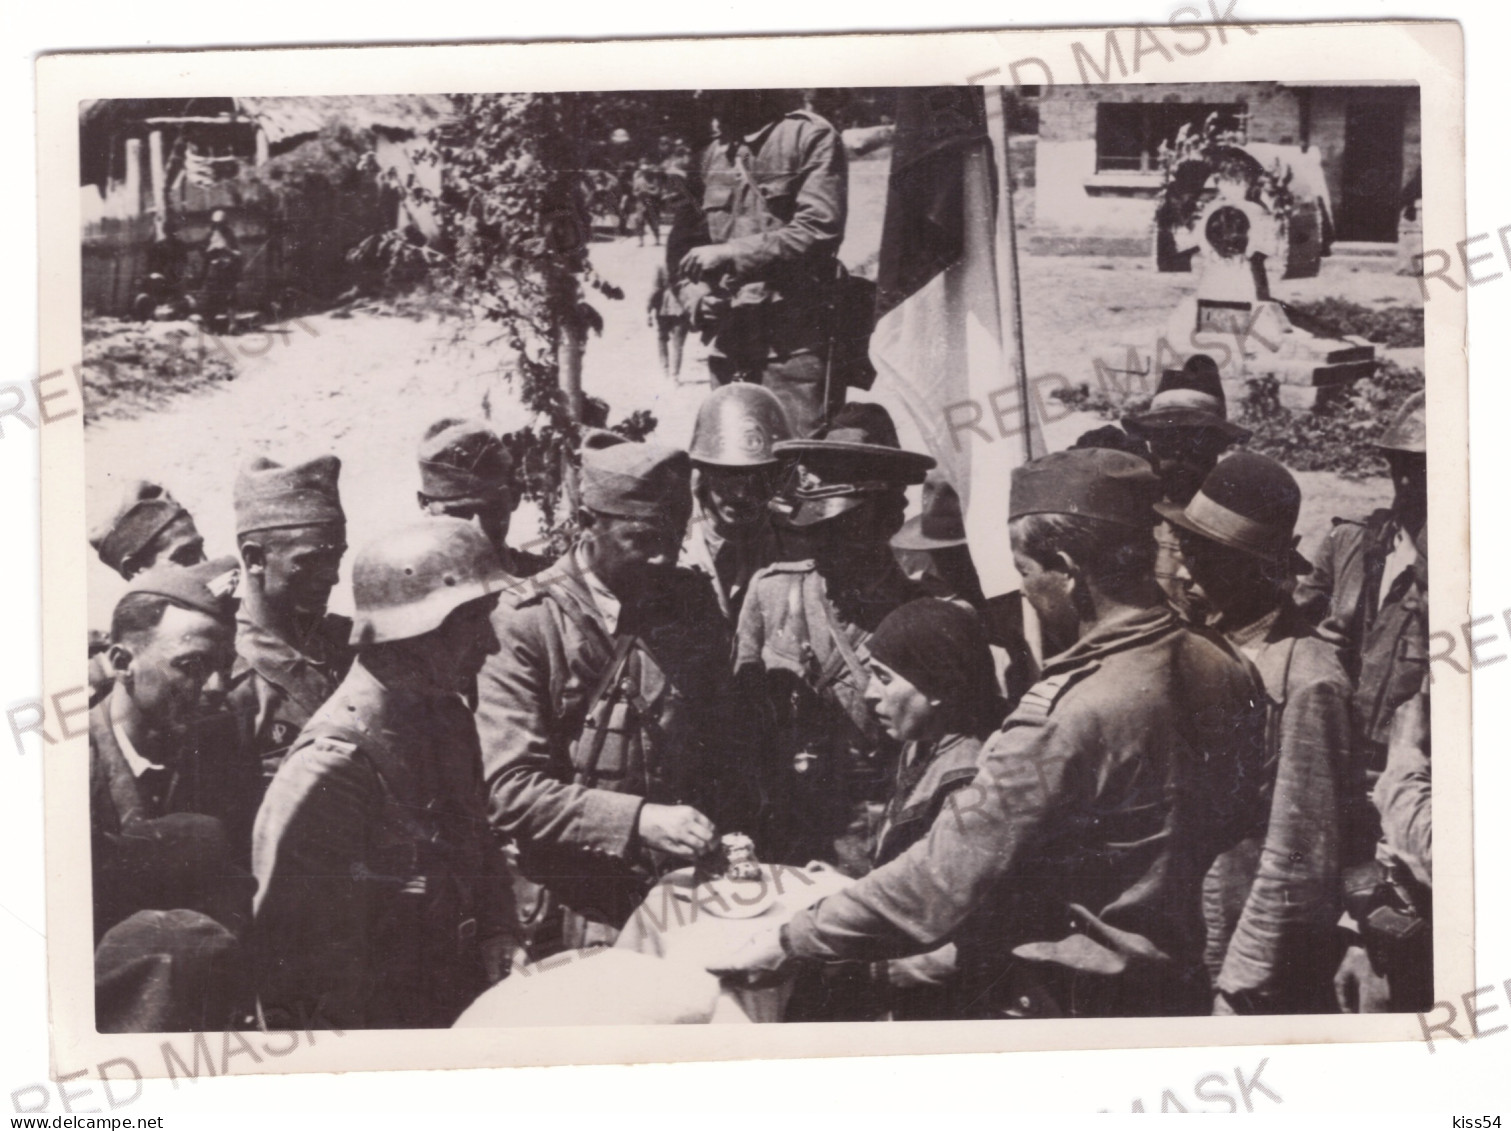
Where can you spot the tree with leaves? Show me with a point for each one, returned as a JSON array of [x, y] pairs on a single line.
[[514, 213]]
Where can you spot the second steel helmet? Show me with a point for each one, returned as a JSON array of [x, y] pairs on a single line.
[[409, 581], [1408, 431], [738, 425]]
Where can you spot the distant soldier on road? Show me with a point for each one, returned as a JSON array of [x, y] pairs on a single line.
[[730, 537], [292, 653]]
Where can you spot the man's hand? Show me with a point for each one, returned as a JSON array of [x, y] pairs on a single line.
[[709, 259], [759, 961], [678, 830]]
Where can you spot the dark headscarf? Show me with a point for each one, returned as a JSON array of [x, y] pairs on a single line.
[[940, 648]]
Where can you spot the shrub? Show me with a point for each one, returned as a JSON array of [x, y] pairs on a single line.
[[1395, 327], [1337, 436], [131, 367]]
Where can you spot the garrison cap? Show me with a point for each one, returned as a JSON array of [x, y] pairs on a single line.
[[1099, 483], [631, 479], [143, 511], [208, 588], [268, 495], [463, 461]]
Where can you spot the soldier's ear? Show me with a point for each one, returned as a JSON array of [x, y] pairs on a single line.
[[254, 556], [120, 657]]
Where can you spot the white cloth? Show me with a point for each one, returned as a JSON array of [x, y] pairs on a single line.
[[138, 764]]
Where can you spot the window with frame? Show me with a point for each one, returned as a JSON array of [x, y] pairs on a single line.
[[1129, 134]]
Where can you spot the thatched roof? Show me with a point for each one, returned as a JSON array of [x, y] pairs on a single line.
[[287, 118], [282, 118]]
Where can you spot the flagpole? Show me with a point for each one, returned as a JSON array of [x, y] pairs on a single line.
[[1005, 190]]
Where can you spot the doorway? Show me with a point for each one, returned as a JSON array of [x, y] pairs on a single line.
[[1372, 157]]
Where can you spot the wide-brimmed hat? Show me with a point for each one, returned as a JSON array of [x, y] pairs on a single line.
[[941, 523], [1190, 398], [855, 456], [1249, 503]]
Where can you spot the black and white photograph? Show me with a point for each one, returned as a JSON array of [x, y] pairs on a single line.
[[876, 554]]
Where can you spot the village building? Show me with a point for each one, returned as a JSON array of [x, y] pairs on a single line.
[[260, 160], [1353, 153]]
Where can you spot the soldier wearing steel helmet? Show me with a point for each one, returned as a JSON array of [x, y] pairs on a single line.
[[1368, 587], [730, 538], [381, 902]]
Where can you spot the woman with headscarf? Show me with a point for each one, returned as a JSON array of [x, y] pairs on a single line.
[[932, 688]]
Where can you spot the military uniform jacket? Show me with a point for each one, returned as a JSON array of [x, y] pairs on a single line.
[[732, 565], [162, 847], [580, 727], [778, 199], [799, 655], [1384, 641], [276, 687], [1082, 841], [377, 875], [1288, 899]]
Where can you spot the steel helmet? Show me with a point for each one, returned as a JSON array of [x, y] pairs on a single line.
[[408, 581], [1408, 431], [737, 426]]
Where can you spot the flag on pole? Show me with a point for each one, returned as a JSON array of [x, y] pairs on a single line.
[[947, 344]]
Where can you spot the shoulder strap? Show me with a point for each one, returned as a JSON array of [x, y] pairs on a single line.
[[852, 661], [767, 219]]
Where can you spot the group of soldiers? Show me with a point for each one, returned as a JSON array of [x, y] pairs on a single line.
[[1178, 771], [1212, 792]]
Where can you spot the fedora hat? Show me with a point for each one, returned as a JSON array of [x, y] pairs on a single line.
[[1189, 397], [1249, 503], [940, 525]]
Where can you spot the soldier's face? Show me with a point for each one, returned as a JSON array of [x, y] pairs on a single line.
[[299, 568], [903, 711], [1408, 472], [179, 543], [1051, 592], [631, 553], [465, 640], [491, 516], [735, 496], [166, 670], [1217, 577]]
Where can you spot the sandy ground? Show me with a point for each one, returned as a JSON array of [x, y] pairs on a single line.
[[366, 386]]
